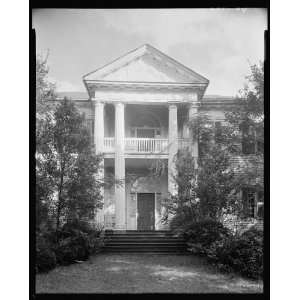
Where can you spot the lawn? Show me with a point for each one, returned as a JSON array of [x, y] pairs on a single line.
[[142, 273]]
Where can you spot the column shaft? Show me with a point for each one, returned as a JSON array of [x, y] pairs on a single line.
[[193, 110], [173, 148], [120, 196], [99, 147], [99, 127]]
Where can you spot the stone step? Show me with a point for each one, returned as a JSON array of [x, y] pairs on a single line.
[[144, 246], [154, 241], [144, 242], [177, 244], [141, 235], [145, 250], [148, 252], [140, 232]]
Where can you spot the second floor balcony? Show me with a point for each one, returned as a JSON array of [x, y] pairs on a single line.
[[145, 145]]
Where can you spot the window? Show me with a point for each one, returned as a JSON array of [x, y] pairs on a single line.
[[260, 205], [248, 139], [253, 203], [218, 132], [251, 143], [249, 202]]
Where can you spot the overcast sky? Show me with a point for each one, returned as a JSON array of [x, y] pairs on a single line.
[[216, 43]]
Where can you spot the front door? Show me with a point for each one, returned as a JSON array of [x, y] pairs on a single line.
[[145, 208]]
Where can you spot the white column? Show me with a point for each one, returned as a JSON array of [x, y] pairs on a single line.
[[120, 207], [99, 127], [173, 148], [193, 110], [99, 147]]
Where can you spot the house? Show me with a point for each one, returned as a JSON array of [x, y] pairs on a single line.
[[138, 107]]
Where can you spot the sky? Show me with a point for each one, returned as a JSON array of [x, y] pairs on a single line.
[[219, 44]]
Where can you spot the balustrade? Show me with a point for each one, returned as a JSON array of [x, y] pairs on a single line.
[[145, 145]]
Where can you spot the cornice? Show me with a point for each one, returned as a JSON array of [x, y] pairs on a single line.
[[134, 85]]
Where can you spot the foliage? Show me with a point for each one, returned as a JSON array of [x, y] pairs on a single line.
[[243, 254], [205, 192], [239, 253], [67, 163], [246, 120], [75, 241], [206, 237], [45, 90], [45, 257], [73, 246], [211, 190], [206, 232]]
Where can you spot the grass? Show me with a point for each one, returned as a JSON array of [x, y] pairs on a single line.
[[142, 273]]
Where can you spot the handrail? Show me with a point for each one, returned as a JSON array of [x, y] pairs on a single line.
[[144, 145]]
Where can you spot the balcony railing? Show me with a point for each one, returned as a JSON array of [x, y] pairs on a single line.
[[145, 145], [109, 144]]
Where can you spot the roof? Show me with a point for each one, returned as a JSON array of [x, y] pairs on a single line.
[[145, 64], [207, 99], [73, 95]]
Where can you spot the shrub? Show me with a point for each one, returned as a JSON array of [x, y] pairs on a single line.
[[45, 257], [77, 241], [243, 253], [72, 248], [181, 220], [205, 235]]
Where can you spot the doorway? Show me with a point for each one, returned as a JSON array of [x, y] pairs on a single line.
[[145, 209]]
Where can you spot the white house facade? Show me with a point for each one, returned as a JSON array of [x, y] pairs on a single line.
[[139, 106]]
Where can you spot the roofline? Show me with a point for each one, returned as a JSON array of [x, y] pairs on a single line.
[[177, 62], [140, 83], [159, 52], [111, 62], [85, 100], [219, 102]]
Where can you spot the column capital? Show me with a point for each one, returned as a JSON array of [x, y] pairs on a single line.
[[99, 102], [119, 103], [172, 105]]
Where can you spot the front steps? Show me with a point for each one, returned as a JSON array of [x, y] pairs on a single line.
[[154, 242]]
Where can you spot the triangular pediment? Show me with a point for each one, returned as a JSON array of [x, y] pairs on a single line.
[[145, 64]]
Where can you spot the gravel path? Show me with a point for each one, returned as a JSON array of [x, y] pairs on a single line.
[[142, 273]]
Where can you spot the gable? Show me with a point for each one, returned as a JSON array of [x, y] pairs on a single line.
[[145, 64]]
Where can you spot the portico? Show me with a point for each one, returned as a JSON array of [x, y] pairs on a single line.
[[142, 106]]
